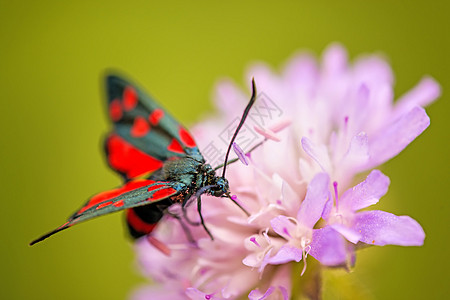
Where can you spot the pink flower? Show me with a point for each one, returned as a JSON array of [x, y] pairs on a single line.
[[332, 122], [372, 227]]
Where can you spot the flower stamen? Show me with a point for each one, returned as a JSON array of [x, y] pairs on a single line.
[[240, 154], [336, 196], [254, 241], [305, 252]]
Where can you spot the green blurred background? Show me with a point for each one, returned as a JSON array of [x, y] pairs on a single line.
[[52, 56]]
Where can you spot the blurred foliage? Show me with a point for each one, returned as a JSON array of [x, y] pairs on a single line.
[[53, 55]]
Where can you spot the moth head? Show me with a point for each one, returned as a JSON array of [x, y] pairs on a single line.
[[220, 187]]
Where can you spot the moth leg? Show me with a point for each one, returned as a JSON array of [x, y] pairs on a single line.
[[199, 208], [187, 201], [185, 228], [188, 220]]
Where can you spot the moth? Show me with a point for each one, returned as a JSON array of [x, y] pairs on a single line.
[[158, 159]]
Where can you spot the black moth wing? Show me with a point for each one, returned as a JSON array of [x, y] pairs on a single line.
[[145, 135], [134, 193]]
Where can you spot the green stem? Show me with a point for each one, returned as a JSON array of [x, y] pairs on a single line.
[[308, 286]]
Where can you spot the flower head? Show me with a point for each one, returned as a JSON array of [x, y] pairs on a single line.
[[330, 122]]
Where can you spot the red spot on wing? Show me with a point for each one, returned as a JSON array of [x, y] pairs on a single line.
[[104, 204], [161, 194], [99, 198], [135, 184], [138, 224], [130, 98], [175, 147], [115, 110], [156, 116], [140, 127], [118, 203], [186, 138], [104, 196], [158, 186], [129, 160], [65, 225]]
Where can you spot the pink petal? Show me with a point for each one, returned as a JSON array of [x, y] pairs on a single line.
[[328, 247], [373, 70], [158, 292], [251, 260], [240, 281], [280, 284], [382, 228], [257, 295], [283, 281], [302, 73], [424, 93], [394, 138], [229, 97], [327, 208], [358, 151], [195, 294], [285, 292], [350, 234], [316, 197], [283, 226], [289, 197], [286, 254], [319, 154], [366, 193], [334, 60]]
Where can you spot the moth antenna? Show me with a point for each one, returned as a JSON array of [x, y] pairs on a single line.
[[244, 116]]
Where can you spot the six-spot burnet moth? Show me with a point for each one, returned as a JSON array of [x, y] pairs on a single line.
[[158, 159]]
